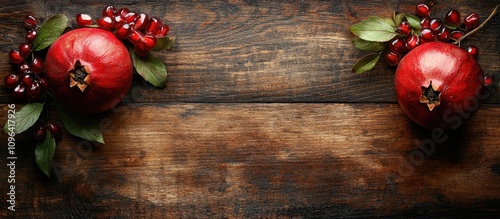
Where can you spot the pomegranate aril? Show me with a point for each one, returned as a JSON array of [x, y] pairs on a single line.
[[43, 84], [11, 81], [397, 45], [393, 58], [123, 31], [162, 31], [15, 57], [150, 41], [19, 91], [55, 130], [488, 81], [27, 79], [40, 133], [412, 42], [24, 50], [452, 18], [404, 28], [456, 34], [444, 35], [130, 17], [118, 21], [106, 23], [109, 11], [35, 89], [153, 25], [122, 12], [139, 49], [425, 22], [83, 20], [427, 35], [471, 21], [29, 22], [23, 68], [30, 36], [435, 25], [423, 10], [37, 65], [135, 37], [473, 51], [141, 22]]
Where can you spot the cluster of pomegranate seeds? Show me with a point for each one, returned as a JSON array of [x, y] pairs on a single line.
[[448, 30], [28, 81], [140, 29], [54, 129]]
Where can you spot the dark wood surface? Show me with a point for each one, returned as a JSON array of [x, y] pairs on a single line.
[[262, 118]]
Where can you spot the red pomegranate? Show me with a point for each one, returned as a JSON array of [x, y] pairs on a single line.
[[88, 70], [439, 85]]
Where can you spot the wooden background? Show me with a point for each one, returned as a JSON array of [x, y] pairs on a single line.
[[261, 118]]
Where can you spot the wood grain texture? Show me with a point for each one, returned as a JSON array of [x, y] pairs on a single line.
[[267, 160]]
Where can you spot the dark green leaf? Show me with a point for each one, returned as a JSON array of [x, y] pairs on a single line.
[[51, 29], [44, 152], [81, 125], [414, 22], [150, 68], [25, 117], [368, 45], [164, 43], [374, 29], [366, 63]]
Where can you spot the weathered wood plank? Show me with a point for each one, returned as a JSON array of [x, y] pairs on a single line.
[[263, 51], [265, 160]]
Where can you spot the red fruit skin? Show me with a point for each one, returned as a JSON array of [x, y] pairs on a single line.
[[452, 71], [107, 61]]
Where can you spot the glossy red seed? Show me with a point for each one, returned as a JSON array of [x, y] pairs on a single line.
[[27, 79], [404, 28], [30, 36], [29, 21], [412, 42], [397, 45], [489, 81], [425, 23], [123, 31], [40, 133], [43, 83], [83, 20], [15, 57], [55, 130], [139, 49], [24, 50], [393, 58], [34, 89], [118, 21], [153, 25], [122, 11], [423, 10], [141, 22], [435, 25], [105, 23], [456, 34], [444, 35], [37, 65], [162, 32], [452, 18], [19, 91], [427, 35], [135, 37], [471, 21], [23, 67], [130, 17], [109, 11], [473, 51], [11, 81], [149, 42]]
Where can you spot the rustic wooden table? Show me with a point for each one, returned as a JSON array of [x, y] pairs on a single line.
[[261, 118]]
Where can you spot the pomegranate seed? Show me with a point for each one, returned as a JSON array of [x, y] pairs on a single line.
[[452, 18], [139, 49], [473, 51], [19, 91], [425, 23], [105, 23], [130, 17], [11, 81], [412, 42], [83, 20], [488, 81], [153, 25], [40, 133], [122, 12], [471, 21], [397, 45], [23, 68], [162, 31], [26, 79], [444, 35], [30, 36], [43, 83], [393, 58], [109, 11], [55, 130], [35, 89], [15, 57], [404, 28], [423, 10], [435, 25], [135, 37], [141, 21], [456, 34], [123, 31], [24, 50], [37, 65], [149, 42], [29, 22], [427, 35], [118, 21]]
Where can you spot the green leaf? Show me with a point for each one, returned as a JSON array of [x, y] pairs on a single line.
[[389, 21], [164, 43], [374, 29], [51, 29], [368, 45], [85, 126], [414, 22], [398, 18], [44, 152], [150, 68], [25, 117], [366, 63]]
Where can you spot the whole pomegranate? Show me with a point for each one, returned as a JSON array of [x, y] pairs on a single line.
[[88, 70], [439, 85]]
